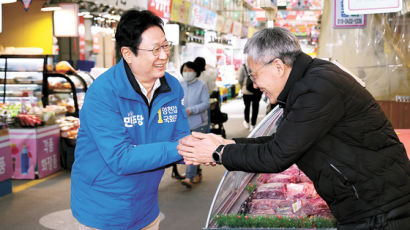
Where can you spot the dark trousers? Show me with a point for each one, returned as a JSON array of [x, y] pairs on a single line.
[[254, 100], [396, 219]]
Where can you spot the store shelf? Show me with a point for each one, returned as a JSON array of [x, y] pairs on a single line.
[[20, 99], [22, 86], [52, 91], [22, 73], [76, 88]]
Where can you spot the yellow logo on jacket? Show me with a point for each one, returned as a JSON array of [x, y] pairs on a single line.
[[160, 121]]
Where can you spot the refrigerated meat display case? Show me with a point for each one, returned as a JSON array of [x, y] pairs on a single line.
[[268, 201]]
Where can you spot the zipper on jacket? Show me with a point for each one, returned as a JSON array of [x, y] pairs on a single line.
[[346, 180]]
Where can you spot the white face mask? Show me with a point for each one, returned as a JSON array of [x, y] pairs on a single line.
[[188, 76]]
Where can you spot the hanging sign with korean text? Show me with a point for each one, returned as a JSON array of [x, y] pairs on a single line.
[[342, 20], [202, 17]]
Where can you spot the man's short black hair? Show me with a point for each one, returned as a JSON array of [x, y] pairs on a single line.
[[132, 24]]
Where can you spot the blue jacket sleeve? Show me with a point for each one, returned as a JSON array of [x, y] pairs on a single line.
[[102, 120]]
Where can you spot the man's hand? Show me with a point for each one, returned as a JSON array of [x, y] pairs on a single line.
[[198, 147]]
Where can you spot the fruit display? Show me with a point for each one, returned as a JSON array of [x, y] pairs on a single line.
[[10, 110], [30, 115]]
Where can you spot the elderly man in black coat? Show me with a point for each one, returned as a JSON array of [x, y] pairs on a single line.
[[332, 128]]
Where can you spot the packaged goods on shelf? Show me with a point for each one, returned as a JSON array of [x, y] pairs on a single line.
[[69, 126], [57, 109]]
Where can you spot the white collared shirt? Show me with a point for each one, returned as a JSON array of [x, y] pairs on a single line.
[[157, 84]]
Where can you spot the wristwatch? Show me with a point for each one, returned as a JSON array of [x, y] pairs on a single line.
[[216, 155]]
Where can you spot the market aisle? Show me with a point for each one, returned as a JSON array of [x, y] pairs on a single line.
[[47, 205], [188, 209]]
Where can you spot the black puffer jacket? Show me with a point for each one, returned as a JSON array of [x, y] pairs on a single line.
[[337, 134]]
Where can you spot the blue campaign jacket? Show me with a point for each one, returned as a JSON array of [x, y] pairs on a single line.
[[122, 148]]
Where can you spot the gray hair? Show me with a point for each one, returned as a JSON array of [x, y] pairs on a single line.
[[270, 43]]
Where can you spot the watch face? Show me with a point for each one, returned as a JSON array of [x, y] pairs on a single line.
[[216, 157]]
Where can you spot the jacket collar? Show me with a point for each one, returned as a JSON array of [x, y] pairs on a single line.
[[129, 87], [299, 67]]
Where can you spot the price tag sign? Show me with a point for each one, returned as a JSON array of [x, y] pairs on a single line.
[[342, 20], [297, 206]]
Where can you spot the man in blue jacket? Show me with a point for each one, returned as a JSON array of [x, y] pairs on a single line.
[[132, 118]]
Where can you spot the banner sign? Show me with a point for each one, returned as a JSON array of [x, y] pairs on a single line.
[[372, 6], [342, 20], [237, 29], [180, 11], [35, 149], [219, 23], [124, 4], [202, 17], [227, 26]]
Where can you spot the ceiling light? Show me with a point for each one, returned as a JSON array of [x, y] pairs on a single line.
[[50, 5]]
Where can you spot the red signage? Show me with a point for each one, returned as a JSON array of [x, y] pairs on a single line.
[[161, 8], [81, 33]]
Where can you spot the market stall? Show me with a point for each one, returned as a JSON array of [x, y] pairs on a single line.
[[35, 98]]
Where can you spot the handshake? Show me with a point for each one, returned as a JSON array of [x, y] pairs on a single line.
[[198, 148]]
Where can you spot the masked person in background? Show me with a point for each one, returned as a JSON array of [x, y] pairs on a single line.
[[332, 128], [132, 118], [196, 102]]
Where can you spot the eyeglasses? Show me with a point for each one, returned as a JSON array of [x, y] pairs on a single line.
[[253, 74], [155, 51]]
